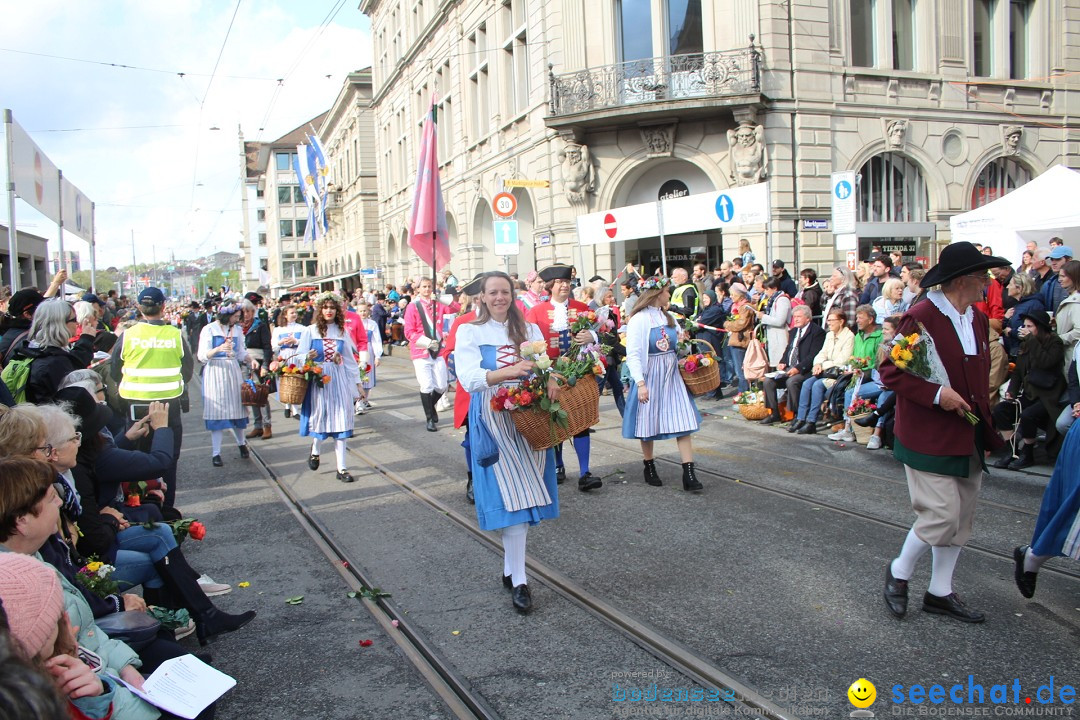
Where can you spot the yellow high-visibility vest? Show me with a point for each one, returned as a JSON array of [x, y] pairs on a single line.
[[152, 356]]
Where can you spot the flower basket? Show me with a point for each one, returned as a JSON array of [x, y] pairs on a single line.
[[703, 378], [754, 411], [862, 434], [254, 394], [292, 389], [581, 402]]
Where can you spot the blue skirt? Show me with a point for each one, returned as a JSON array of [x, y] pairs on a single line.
[[1061, 499]]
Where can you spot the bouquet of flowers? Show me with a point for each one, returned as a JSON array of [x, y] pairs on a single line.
[[692, 362], [858, 366], [305, 370], [96, 577], [591, 321], [751, 397], [915, 354], [861, 406], [531, 392]]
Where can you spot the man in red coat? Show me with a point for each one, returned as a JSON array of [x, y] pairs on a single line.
[[941, 450], [554, 318]]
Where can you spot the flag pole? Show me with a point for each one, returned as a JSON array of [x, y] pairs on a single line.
[[13, 234]]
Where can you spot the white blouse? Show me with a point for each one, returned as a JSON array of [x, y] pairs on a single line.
[[214, 329], [467, 355], [638, 330]]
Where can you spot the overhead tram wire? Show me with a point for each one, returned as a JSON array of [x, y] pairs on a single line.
[[122, 66]]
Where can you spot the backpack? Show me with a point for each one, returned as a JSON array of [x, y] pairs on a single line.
[[16, 376]]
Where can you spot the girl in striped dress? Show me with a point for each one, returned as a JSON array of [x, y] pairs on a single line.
[[373, 354], [659, 406], [519, 489], [285, 341], [221, 349], [328, 410]]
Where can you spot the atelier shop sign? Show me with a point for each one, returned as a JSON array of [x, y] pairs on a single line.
[[672, 189]]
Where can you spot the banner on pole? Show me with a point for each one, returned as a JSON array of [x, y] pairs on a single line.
[[36, 178], [78, 211]]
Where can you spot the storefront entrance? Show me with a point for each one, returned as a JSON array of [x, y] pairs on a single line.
[[912, 240]]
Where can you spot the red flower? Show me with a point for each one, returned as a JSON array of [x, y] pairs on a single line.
[[365, 643], [133, 501], [525, 398], [197, 530]]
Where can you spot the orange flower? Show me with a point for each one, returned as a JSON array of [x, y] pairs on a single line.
[[133, 501], [326, 380]]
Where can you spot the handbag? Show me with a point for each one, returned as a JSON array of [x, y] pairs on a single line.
[[254, 394], [137, 629], [756, 361]]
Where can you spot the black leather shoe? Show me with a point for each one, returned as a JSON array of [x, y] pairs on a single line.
[[769, 419], [431, 426], [588, 482], [288, 412], [522, 598], [690, 482], [244, 452], [794, 426], [1003, 462], [345, 477], [508, 582], [868, 421], [651, 476], [1026, 457], [216, 460], [896, 593], [952, 606], [1025, 581], [807, 428], [560, 475], [469, 495], [313, 462]]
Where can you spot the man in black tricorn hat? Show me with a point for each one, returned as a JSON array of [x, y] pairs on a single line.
[[943, 430], [554, 319]]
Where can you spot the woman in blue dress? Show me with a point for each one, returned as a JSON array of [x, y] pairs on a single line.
[[1057, 529], [221, 349], [519, 489], [659, 406], [328, 410]]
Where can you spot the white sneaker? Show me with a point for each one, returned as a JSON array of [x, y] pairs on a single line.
[[874, 443], [443, 403], [844, 435], [184, 630], [211, 588], [358, 407], [368, 404]]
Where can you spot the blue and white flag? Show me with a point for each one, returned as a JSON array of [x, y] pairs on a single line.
[[322, 179]]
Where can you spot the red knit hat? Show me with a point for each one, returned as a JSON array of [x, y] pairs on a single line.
[[33, 600]]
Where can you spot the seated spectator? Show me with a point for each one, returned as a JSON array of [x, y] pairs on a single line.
[[869, 342], [1071, 411], [1067, 317], [1022, 289], [834, 355], [1033, 397], [794, 368]]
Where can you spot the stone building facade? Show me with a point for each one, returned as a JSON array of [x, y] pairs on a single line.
[[939, 106]]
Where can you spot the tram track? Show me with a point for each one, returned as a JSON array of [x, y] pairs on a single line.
[[448, 683]]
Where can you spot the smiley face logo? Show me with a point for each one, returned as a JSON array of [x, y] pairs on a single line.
[[862, 693]]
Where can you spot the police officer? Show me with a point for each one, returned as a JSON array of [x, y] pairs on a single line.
[[152, 361], [684, 298]]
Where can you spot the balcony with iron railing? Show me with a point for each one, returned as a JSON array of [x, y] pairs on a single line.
[[644, 87]]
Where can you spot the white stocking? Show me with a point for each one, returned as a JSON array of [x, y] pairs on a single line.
[[339, 450], [1032, 562], [903, 567], [513, 539], [215, 441], [315, 446], [944, 564], [238, 433]]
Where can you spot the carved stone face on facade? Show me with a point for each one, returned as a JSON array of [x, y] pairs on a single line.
[[578, 173], [896, 132], [659, 140], [746, 153], [1010, 138]]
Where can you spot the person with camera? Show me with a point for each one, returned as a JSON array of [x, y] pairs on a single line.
[[152, 362]]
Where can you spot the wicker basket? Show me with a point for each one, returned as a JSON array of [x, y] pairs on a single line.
[[254, 396], [862, 434], [582, 405], [292, 389], [755, 411], [704, 379]]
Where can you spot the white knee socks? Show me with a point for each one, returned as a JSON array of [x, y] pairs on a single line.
[[339, 450], [944, 564], [903, 567], [215, 441], [513, 539], [315, 446], [238, 433], [1032, 562]]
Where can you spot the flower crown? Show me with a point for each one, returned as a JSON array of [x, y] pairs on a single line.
[[229, 309], [328, 295], [653, 283]]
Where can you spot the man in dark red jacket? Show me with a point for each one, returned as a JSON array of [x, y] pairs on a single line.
[[941, 449]]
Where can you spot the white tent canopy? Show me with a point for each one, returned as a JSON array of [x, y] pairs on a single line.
[[1046, 207]]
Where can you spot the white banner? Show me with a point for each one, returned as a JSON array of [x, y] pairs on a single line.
[[78, 213], [37, 181], [625, 223]]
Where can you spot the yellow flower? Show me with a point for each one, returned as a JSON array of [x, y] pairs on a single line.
[[94, 566], [900, 364], [913, 338], [906, 356]]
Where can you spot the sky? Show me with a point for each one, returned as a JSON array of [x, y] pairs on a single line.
[[141, 142]]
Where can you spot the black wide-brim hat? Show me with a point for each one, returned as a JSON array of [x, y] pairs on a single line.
[[93, 414], [1040, 318], [558, 271], [959, 258], [472, 287]]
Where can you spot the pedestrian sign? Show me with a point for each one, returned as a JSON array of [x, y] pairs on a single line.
[[506, 237], [843, 202], [725, 209]]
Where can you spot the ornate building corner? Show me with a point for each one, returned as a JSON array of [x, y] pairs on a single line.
[[1010, 139], [749, 162], [578, 171], [659, 140]]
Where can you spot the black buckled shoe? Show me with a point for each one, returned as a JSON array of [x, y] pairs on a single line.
[[508, 582], [1025, 581], [588, 482], [651, 476], [522, 598], [216, 461], [313, 462], [345, 476], [952, 606], [560, 475], [794, 426], [896, 593], [244, 454]]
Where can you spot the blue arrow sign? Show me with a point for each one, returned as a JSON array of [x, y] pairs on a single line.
[[843, 190], [506, 237], [725, 209]]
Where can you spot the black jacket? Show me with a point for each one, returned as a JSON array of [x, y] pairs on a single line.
[[787, 285], [813, 339], [14, 329], [812, 297], [1038, 373], [52, 364]]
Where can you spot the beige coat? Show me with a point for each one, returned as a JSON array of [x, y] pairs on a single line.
[[837, 349]]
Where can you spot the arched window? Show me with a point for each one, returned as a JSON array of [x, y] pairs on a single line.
[[891, 189], [999, 176]]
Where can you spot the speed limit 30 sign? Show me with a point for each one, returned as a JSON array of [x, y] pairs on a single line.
[[504, 204]]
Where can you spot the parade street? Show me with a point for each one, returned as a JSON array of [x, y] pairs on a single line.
[[760, 597]]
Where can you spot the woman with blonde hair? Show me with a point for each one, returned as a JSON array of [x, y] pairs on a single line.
[[746, 253], [659, 406], [891, 301]]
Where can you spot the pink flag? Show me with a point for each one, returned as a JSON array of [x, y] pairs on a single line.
[[428, 234]]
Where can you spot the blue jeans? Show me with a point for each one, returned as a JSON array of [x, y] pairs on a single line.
[[813, 393], [737, 356], [138, 550], [727, 366]]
